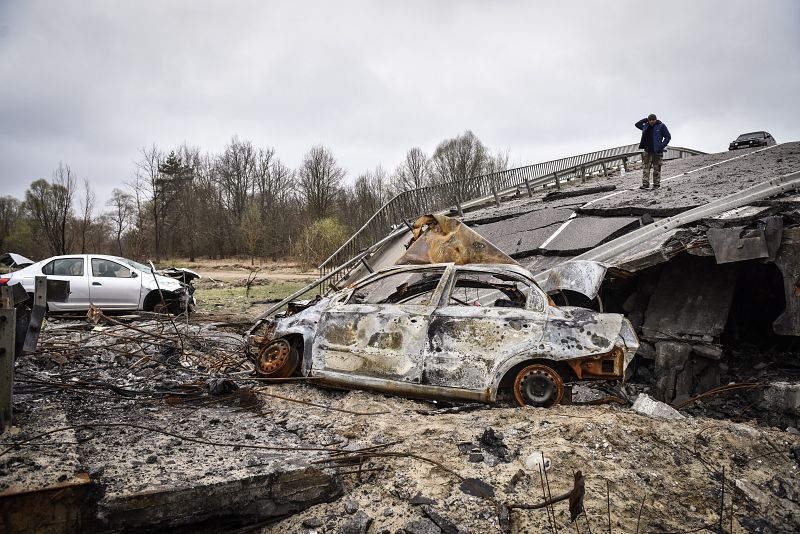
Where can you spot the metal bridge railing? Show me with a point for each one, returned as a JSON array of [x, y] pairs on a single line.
[[468, 192]]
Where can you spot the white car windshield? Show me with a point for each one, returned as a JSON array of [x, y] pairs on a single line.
[[135, 264]]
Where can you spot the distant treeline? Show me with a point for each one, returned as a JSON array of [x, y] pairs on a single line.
[[244, 201]]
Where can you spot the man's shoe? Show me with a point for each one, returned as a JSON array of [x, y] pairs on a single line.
[[656, 185], [643, 186]]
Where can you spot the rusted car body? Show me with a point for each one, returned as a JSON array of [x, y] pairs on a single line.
[[449, 332]]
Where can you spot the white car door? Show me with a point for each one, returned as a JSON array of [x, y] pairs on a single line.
[[73, 270], [113, 285]]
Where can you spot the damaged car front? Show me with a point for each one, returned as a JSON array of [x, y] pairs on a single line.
[[108, 283], [450, 332]]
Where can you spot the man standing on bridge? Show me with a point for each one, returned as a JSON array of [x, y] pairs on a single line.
[[655, 138]]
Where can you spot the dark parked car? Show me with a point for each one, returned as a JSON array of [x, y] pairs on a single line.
[[752, 139]]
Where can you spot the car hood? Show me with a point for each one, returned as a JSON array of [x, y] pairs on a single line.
[[165, 283]]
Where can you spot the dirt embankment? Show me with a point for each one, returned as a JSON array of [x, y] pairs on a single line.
[[666, 476]]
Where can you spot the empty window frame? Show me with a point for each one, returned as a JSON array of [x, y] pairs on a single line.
[[409, 288]]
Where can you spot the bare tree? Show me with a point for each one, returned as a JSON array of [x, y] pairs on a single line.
[[121, 214], [458, 158], [150, 186], [369, 193], [274, 184], [251, 229], [413, 172], [50, 205], [236, 173], [186, 198], [138, 231], [86, 205], [319, 178], [10, 212], [498, 162]]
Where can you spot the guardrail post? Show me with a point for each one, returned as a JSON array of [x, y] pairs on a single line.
[[558, 181], [38, 312], [528, 186], [583, 174], [8, 328]]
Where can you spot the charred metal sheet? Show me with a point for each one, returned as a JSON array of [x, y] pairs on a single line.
[[57, 290], [440, 239], [180, 273], [582, 276], [576, 332], [380, 341], [737, 244], [404, 389], [740, 243], [773, 231]]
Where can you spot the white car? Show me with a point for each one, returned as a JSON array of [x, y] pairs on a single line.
[[108, 282]]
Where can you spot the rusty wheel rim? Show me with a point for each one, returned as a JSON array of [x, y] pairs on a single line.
[[273, 357], [538, 385]]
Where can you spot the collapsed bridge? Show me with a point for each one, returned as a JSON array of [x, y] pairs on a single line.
[[706, 263]]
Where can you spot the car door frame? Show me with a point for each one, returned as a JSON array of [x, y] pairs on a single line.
[[456, 358], [79, 298], [114, 285], [350, 337]]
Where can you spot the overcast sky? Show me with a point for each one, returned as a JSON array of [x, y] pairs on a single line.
[[88, 83]]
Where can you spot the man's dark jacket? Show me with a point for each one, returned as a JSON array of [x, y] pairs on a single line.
[[661, 135]]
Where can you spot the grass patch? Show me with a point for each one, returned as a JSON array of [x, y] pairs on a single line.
[[233, 299]]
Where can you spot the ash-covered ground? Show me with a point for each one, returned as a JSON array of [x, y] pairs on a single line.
[[147, 413]]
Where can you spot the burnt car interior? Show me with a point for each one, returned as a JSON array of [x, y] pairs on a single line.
[[481, 289], [400, 288]]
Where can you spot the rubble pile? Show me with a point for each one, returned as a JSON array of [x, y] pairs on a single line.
[[169, 438]]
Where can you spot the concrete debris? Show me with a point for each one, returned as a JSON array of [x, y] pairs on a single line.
[[359, 524], [781, 396], [693, 297], [646, 405], [536, 461], [421, 526]]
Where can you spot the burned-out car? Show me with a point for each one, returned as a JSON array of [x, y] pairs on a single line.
[[449, 332]]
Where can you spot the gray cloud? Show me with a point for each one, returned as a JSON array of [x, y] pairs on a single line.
[[88, 83]]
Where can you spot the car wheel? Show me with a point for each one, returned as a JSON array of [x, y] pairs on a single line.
[[538, 385], [279, 359]]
